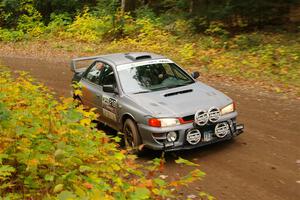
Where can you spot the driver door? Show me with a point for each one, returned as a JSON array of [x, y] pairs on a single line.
[[91, 89], [110, 108]]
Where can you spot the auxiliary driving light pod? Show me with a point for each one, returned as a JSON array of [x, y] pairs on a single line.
[[222, 129], [171, 136], [193, 136], [214, 114], [201, 117]]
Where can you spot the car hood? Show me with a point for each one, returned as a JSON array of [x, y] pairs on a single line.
[[181, 101]]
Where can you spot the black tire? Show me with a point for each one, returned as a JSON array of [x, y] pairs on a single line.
[[77, 99], [79, 102], [132, 137]]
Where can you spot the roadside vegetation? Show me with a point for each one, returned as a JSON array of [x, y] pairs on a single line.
[[248, 45], [51, 149]]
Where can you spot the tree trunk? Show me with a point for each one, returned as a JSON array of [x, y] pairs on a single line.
[[197, 6], [128, 5]]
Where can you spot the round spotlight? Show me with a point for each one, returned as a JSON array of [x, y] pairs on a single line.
[[193, 136], [171, 136], [222, 129], [214, 114], [201, 117]]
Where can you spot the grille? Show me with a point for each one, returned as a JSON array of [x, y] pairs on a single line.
[[188, 118]]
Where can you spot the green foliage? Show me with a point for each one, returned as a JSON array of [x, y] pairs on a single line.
[[183, 161], [143, 33], [246, 41], [11, 35], [107, 7], [145, 12], [51, 149], [24, 16], [260, 56], [187, 52], [181, 27], [58, 23], [234, 13], [166, 27], [88, 28], [217, 29]]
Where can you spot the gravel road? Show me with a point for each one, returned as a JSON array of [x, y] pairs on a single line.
[[263, 163]]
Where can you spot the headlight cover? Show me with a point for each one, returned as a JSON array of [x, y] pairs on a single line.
[[163, 122], [228, 109]]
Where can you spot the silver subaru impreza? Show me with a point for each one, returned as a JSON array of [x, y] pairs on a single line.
[[154, 102]]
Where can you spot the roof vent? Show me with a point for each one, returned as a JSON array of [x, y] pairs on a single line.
[[137, 56]]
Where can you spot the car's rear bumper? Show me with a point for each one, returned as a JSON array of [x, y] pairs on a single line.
[[155, 138]]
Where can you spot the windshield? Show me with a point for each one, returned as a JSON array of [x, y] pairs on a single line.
[[152, 77]]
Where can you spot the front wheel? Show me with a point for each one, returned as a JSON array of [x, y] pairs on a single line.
[[132, 136]]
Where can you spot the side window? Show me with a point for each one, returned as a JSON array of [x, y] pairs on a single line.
[[107, 76], [94, 73]]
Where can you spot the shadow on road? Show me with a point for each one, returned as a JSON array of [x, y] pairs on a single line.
[[191, 154]]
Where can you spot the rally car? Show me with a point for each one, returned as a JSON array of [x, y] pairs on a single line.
[[154, 102]]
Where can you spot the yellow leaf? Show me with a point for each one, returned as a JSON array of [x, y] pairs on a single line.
[[85, 122]]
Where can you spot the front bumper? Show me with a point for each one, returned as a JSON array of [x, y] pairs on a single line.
[[155, 138]]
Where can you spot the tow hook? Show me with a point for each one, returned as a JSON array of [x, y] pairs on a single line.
[[239, 128]]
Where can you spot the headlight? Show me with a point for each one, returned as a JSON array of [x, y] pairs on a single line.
[[163, 122], [228, 109]]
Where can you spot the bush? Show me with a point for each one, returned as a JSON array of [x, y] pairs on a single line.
[[88, 28], [217, 29], [31, 21], [246, 41], [181, 27], [143, 35], [51, 149], [58, 23], [11, 35]]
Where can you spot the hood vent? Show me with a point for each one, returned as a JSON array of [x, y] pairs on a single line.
[[179, 92]]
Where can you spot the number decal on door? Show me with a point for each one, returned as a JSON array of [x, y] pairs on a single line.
[[109, 106]]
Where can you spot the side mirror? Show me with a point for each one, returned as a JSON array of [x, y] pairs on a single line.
[[195, 75], [110, 89]]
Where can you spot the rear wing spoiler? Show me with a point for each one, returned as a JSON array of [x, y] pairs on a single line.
[[76, 60]]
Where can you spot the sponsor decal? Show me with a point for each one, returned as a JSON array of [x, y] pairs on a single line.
[[137, 64], [109, 115], [109, 106]]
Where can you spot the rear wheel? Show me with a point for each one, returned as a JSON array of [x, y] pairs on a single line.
[[131, 135]]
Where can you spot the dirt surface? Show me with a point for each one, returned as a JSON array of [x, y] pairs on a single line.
[[262, 163]]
